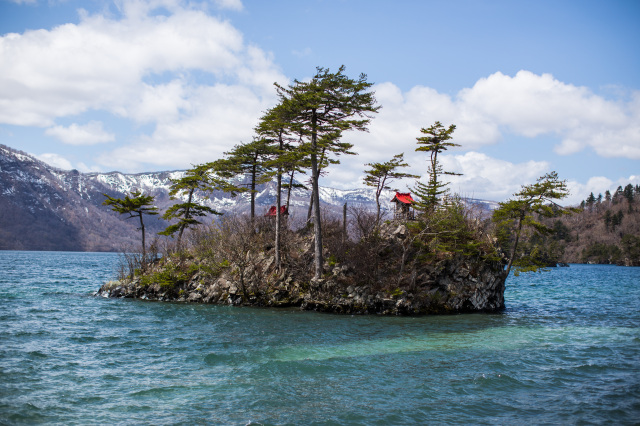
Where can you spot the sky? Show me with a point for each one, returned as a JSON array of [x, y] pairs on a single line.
[[151, 85]]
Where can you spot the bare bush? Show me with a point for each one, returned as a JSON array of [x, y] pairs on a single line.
[[131, 261], [237, 240], [363, 222]]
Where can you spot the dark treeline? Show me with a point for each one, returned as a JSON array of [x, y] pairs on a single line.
[[607, 229], [604, 229]]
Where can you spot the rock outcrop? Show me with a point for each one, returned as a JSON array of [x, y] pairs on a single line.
[[455, 284]]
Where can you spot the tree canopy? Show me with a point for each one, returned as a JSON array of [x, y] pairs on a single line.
[[435, 142], [135, 205], [321, 109], [522, 212], [195, 180]]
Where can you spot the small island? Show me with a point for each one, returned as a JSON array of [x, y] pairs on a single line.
[[436, 255]]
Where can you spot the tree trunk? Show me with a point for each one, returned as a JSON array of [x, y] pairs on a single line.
[[513, 249], [278, 215], [344, 223], [378, 192], [310, 210], [278, 221], [289, 189], [433, 179], [313, 190], [317, 226], [144, 246], [253, 194], [187, 216]]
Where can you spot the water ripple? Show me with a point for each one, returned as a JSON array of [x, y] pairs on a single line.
[[566, 350]]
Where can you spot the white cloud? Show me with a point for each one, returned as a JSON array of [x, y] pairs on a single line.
[[55, 160], [102, 63], [489, 178], [89, 134], [531, 105], [188, 74], [498, 106], [219, 117], [229, 4], [597, 185]]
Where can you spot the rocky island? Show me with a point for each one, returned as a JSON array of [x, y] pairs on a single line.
[[452, 284], [435, 255]]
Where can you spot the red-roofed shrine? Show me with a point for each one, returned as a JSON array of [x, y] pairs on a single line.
[[283, 211], [403, 202]]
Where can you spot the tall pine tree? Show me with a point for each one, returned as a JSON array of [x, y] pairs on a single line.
[[324, 107], [530, 203], [274, 128], [250, 159], [434, 142]]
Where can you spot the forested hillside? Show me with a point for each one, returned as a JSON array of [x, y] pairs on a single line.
[[605, 229]]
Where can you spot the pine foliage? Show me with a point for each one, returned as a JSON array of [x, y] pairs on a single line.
[[435, 142]]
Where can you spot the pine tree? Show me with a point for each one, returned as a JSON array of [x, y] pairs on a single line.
[[135, 205], [274, 128], [607, 219], [531, 201], [617, 195], [591, 199], [628, 194], [250, 159], [380, 175], [195, 180], [616, 220], [435, 142], [325, 107]]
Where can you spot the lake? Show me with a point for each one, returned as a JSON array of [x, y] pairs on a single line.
[[565, 350]]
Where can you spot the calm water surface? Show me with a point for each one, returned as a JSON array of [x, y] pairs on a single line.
[[566, 350]]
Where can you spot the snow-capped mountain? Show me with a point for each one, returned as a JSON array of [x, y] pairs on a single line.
[[45, 208]]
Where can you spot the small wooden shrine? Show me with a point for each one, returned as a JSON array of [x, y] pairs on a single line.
[[284, 211], [403, 206]]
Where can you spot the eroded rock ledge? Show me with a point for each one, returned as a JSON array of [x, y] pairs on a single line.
[[456, 285]]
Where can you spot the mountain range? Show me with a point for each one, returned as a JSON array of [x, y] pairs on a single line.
[[46, 208]]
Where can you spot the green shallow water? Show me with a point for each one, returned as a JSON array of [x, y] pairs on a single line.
[[566, 350]]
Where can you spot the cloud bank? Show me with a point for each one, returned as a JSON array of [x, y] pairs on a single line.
[[188, 87], [88, 134], [187, 74], [525, 105]]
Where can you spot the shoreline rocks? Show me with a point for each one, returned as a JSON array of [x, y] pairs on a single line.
[[460, 284]]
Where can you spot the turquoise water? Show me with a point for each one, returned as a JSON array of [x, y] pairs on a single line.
[[566, 350]]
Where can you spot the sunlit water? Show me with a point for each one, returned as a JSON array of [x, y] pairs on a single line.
[[566, 350]]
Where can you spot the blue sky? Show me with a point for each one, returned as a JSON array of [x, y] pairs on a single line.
[[145, 85]]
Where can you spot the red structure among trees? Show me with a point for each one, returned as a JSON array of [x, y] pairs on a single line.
[[272, 211], [403, 202]]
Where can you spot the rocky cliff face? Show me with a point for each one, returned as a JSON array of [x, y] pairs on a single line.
[[457, 285]]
